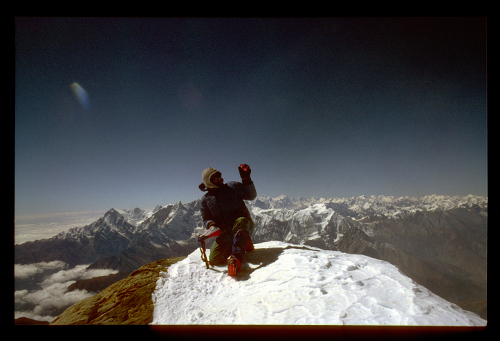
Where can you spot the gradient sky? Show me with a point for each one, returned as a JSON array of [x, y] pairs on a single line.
[[128, 112]]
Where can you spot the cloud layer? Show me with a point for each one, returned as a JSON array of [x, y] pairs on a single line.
[[52, 298]]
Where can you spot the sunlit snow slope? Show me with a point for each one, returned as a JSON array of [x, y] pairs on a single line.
[[282, 283]]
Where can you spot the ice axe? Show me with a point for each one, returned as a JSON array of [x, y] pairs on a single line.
[[212, 231]]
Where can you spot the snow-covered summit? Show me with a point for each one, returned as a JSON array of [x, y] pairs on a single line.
[[136, 216], [110, 225], [286, 284]]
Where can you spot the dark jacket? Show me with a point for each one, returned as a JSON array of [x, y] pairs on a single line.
[[225, 204]]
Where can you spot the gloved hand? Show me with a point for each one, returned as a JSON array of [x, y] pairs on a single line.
[[245, 171]]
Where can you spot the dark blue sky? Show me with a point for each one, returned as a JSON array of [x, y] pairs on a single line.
[[317, 107]]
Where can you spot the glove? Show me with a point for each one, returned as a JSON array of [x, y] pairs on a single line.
[[245, 171]]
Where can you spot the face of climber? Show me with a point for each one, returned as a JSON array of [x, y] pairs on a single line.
[[217, 179]]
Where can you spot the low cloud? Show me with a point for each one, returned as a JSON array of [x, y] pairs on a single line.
[[23, 271], [49, 299], [74, 274], [32, 315], [53, 296]]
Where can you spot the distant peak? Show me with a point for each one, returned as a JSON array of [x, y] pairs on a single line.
[[112, 211], [112, 216]]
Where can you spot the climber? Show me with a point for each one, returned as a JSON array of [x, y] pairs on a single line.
[[223, 207]]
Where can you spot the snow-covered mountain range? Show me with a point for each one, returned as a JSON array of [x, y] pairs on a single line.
[[438, 241], [385, 206], [297, 220]]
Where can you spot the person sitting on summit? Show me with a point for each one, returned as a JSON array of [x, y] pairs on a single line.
[[223, 206]]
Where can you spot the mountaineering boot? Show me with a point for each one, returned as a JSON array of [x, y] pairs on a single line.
[[241, 243], [233, 265]]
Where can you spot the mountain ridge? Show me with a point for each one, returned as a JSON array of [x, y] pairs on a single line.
[[127, 301]]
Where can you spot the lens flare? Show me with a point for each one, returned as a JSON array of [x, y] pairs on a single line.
[[80, 94]]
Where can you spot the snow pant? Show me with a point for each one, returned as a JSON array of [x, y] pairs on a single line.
[[234, 243]]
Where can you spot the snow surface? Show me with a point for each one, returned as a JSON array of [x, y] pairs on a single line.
[[285, 284]]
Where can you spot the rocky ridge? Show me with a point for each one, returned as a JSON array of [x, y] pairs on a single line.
[[127, 301]]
